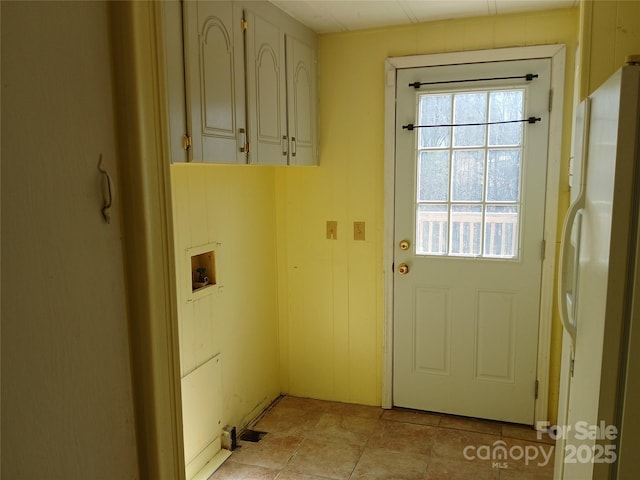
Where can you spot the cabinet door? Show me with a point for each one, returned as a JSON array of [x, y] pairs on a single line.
[[174, 74], [301, 102], [214, 66], [266, 91]]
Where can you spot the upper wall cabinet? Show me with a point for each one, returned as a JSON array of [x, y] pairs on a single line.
[[301, 102], [281, 90], [249, 84], [215, 82], [174, 106], [266, 91]]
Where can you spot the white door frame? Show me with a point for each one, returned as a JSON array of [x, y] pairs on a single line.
[[138, 55], [557, 55]]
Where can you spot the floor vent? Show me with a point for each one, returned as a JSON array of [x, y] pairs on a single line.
[[249, 435]]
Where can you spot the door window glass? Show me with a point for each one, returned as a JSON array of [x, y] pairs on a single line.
[[469, 176]]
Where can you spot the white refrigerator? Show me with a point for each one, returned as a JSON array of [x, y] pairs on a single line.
[[599, 402]]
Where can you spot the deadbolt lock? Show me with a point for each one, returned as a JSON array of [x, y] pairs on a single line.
[[404, 245]]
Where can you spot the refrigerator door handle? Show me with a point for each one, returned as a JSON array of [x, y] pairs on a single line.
[[567, 284]]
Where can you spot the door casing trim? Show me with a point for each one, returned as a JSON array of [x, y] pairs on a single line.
[[557, 54], [138, 56]]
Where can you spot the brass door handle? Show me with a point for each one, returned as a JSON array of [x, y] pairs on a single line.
[[403, 269]]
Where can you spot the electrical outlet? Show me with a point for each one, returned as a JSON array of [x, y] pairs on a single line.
[[358, 230], [332, 230]]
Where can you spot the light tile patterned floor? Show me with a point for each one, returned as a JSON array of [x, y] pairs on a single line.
[[318, 440]]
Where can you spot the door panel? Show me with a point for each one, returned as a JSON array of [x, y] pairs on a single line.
[[495, 329], [432, 326], [470, 201]]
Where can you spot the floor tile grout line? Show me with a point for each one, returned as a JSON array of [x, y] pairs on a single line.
[[295, 452], [364, 447]]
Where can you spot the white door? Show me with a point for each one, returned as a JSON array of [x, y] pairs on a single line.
[[469, 203], [67, 400]]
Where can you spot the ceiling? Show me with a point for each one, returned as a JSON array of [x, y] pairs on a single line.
[[331, 16]]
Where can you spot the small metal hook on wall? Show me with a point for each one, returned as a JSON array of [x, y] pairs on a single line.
[[107, 200]]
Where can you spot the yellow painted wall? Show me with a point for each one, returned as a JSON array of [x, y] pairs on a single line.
[[330, 302], [234, 206], [609, 30]]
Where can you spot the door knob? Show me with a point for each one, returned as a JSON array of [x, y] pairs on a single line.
[[403, 269], [404, 245]]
